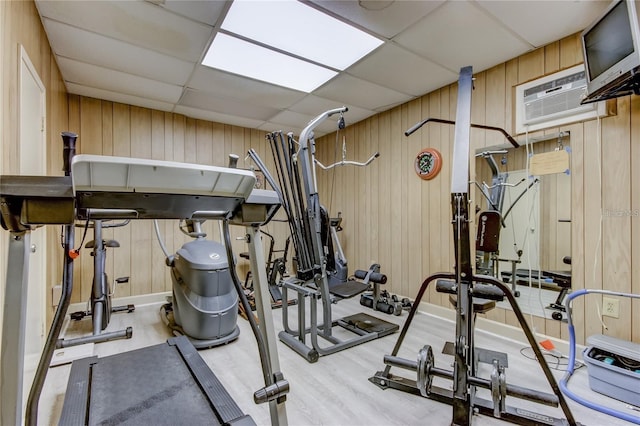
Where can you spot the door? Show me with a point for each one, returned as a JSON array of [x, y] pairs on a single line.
[[32, 149]]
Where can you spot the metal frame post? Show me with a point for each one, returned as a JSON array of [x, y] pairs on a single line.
[[464, 365], [13, 328], [265, 316]]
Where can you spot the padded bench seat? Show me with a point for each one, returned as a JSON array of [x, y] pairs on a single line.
[[484, 299]]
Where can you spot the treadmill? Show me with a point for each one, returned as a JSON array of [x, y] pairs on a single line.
[[163, 384]]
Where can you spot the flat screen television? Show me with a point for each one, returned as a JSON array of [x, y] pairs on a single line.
[[611, 50]]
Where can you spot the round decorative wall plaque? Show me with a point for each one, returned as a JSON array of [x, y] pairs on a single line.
[[428, 163]]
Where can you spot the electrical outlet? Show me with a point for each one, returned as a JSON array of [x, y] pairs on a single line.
[[611, 307]]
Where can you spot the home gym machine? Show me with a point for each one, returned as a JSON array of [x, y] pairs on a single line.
[[308, 223], [370, 281], [469, 291], [162, 384], [341, 284], [99, 306]]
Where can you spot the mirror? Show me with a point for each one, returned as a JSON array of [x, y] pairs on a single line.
[[523, 225]]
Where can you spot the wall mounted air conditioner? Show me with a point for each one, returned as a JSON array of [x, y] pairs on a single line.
[[554, 100]]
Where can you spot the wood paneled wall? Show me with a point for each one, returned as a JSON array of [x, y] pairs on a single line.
[[20, 25], [390, 215], [108, 128], [394, 218]]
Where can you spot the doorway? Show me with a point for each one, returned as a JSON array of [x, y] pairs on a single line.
[[32, 153]]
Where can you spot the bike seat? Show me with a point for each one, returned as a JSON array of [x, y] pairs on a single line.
[[111, 243], [107, 243]]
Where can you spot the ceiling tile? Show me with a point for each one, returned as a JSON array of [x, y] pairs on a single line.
[[460, 34], [271, 126], [122, 98], [74, 43], [287, 121], [217, 117], [295, 122], [203, 100], [137, 22], [398, 69], [116, 81], [296, 129], [558, 18], [146, 53], [292, 118], [208, 12], [226, 85], [314, 105], [361, 93], [382, 17]]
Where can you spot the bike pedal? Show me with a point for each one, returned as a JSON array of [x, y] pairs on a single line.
[[77, 316]]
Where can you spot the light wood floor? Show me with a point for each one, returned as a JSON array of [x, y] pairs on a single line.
[[335, 390]]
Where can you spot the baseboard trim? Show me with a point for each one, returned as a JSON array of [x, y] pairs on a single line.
[[497, 329], [138, 300], [483, 325]]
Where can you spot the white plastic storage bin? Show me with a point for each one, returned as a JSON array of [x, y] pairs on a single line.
[[614, 368]]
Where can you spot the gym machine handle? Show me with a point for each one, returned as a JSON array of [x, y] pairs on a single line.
[[348, 162], [69, 150], [374, 277], [511, 140], [272, 392], [482, 291]]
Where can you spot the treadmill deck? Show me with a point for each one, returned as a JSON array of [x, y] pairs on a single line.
[[165, 384]]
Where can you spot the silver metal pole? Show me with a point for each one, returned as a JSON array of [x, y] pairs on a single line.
[[14, 321]]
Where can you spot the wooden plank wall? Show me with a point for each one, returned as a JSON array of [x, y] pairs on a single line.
[[108, 128], [394, 218], [390, 216], [20, 25]]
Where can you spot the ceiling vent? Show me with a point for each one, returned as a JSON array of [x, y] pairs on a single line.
[[554, 100]]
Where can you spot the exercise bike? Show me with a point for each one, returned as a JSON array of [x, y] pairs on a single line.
[[99, 306], [276, 272]]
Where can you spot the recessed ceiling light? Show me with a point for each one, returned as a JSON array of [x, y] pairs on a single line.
[[287, 43], [241, 57], [301, 30]]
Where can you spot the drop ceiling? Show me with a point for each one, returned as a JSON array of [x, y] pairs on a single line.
[[148, 53]]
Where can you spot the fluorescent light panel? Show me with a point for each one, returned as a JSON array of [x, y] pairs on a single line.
[[240, 57], [300, 29], [289, 26]]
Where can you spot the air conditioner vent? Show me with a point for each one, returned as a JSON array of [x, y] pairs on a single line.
[[554, 100]]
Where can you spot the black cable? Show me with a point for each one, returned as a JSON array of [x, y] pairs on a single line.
[[84, 235], [559, 361]]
